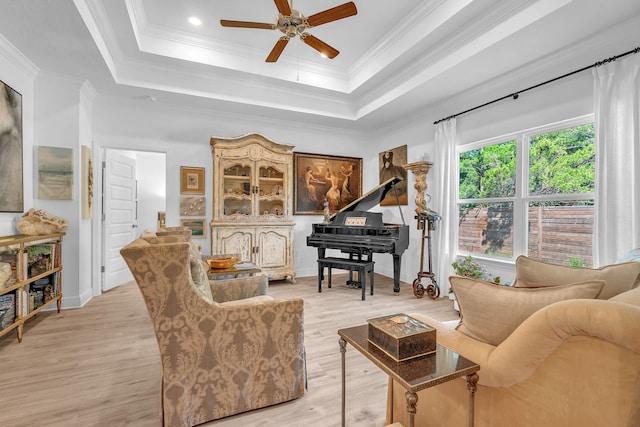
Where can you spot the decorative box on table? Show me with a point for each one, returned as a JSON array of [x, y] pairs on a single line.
[[402, 337]]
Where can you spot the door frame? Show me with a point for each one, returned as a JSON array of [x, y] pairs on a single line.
[[99, 152]]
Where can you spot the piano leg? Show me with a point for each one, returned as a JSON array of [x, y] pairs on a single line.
[[396, 273], [321, 252]]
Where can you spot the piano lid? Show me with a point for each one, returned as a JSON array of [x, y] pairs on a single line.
[[372, 198]]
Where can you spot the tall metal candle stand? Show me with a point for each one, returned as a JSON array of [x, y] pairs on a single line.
[[426, 222]]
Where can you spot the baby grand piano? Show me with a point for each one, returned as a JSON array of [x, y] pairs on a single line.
[[355, 230]]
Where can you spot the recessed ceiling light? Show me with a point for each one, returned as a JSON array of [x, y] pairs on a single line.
[[195, 21]]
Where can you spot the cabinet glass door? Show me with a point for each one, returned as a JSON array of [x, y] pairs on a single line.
[[271, 191], [237, 188]]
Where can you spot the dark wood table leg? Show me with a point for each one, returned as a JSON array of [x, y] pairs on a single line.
[[412, 400], [472, 386], [343, 350]]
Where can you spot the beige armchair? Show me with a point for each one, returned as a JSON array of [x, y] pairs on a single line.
[[570, 363], [226, 346]]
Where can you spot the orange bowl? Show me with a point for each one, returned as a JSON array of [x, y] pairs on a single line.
[[224, 262]]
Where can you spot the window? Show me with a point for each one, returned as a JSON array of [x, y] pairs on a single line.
[[529, 193]]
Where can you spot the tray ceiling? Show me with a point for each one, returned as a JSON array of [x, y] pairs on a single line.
[[395, 57]]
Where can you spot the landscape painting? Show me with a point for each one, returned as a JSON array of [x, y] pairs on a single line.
[[55, 173], [198, 227]]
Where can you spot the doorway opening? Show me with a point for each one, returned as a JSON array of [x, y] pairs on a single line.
[[133, 193]]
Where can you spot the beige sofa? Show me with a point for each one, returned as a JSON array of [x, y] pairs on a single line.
[[226, 346], [569, 363]]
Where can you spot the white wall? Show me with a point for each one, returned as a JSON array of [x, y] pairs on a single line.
[[61, 104]]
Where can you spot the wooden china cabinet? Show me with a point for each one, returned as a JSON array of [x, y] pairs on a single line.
[[253, 202]]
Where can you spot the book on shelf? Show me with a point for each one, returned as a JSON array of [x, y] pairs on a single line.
[[7, 310], [39, 259], [42, 290], [8, 268]]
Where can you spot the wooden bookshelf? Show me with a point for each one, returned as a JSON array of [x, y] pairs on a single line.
[[36, 280]]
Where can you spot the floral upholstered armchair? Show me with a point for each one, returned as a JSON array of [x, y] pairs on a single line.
[[226, 346]]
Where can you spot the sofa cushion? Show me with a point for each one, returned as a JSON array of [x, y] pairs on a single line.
[[490, 312], [617, 278]]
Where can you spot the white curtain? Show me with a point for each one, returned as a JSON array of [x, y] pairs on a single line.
[[617, 117], [444, 166]]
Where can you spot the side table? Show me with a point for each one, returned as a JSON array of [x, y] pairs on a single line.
[[414, 374]]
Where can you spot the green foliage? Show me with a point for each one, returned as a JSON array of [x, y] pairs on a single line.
[[577, 262], [562, 162], [488, 172], [468, 267]]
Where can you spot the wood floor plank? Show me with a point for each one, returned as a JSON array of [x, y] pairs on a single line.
[[99, 365]]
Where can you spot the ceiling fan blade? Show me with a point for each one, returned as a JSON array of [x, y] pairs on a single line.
[[319, 45], [333, 14], [283, 7], [244, 24], [277, 49]]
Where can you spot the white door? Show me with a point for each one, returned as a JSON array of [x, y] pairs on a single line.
[[119, 216]]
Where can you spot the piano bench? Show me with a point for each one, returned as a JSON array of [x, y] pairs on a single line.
[[361, 266]]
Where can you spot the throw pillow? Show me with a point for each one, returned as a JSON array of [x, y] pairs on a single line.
[[617, 278], [490, 312], [198, 270]]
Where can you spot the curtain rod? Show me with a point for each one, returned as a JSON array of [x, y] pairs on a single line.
[[516, 94]]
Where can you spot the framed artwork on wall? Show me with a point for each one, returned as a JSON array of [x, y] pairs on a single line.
[[55, 173], [192, 206], [391, 164], [320, 177], [191, 180], [87, 182], [11, 179], [198, 227]]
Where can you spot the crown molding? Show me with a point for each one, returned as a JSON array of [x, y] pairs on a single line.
[[14, 56], [95, 18], [479, 37], [424, 20]]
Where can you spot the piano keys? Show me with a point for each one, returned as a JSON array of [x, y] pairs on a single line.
[[355, 230]]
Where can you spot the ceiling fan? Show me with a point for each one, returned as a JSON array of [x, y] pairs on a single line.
[[293, 23]]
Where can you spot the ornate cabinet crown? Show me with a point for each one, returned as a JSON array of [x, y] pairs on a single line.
[[252, 203]]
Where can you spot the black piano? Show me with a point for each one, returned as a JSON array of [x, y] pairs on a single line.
[[356, 231]]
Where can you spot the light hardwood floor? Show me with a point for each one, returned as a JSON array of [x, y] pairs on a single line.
[[99, 365]]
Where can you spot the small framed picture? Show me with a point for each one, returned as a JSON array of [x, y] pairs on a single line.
[[191, 180], [198, 227], [192, 206]]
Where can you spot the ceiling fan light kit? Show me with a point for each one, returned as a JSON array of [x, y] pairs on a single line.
[[293, 23]]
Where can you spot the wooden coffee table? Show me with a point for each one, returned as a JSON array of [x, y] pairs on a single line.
[[414, 374]]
